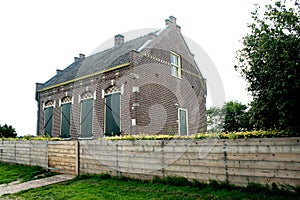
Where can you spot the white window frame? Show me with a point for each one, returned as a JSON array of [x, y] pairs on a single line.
[[175, 64], [187, 121]]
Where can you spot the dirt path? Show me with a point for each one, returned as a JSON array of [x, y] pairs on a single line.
[[9, 189]]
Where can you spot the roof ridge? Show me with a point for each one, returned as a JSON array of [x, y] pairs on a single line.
[[101, 60], [60, 74], [148, 34]]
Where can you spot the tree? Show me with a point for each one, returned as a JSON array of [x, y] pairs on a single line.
[[7, 131], [236, 117], [232, 116], [215, 119], [269, 62]]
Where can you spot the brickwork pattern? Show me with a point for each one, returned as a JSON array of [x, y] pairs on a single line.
[[154, 107]]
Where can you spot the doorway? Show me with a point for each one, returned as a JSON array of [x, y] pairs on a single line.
[[183, 122]]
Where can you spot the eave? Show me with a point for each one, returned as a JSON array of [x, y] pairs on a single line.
[[85, 77]]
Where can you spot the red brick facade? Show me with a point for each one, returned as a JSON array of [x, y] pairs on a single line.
[[150, 95]]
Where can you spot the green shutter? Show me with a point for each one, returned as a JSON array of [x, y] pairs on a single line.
[[86, 118], [112, 118], [183, 122], [48, 121], [65, 120]]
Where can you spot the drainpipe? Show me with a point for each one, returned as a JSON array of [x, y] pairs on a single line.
[[37, 98]]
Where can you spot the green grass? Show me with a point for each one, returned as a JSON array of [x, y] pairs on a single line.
[[106, 187], [15, 172]]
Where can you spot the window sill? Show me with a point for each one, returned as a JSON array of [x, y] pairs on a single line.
[[86, 138], [180, 78]]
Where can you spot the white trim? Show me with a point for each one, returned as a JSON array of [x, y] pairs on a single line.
[[94, 95], [144, 45], [122, 89], [102, 93], [133, 122], [187, 120], [112, 93], [112, 82], [87, 138], [135, 89], [79, 98], [44, 104], [160, 31], [62, 103]]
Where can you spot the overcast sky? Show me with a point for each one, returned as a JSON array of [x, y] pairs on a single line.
[[37, 37]]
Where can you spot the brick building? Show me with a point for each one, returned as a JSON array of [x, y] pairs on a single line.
[[149, 85]]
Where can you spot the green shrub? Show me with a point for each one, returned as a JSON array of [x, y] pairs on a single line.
[[201, 136]]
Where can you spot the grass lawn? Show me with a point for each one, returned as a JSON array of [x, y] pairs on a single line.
[[105, 187], [14, 172]]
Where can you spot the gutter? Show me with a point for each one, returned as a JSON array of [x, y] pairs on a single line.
[[85, 77]]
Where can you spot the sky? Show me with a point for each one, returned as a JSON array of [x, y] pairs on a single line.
[[38, 37]]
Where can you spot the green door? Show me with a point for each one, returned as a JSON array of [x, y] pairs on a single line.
[[183, 122], [86, 119], [112, 114], [48, 121], [65, 120]]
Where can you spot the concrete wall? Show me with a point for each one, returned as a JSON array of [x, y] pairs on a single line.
[[239, 161], [234, 161], [24, 152]]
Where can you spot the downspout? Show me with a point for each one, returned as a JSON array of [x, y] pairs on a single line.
[[37, 98], [38, 114]]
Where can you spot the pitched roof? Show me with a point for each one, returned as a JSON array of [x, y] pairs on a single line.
[[104, 60]]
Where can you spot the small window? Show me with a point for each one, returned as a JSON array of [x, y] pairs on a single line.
[[175, 65]]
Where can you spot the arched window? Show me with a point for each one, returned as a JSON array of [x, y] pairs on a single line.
[[65, 119], [86, 117], [48, 113]]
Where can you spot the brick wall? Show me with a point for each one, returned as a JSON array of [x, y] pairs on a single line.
[[155, 106]]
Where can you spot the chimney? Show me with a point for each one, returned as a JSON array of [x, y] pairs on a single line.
[[76, 59], [168, 22], [171, 22], [58, 71], [173, 19], [81, 56], [119, 40], [37, 85]]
